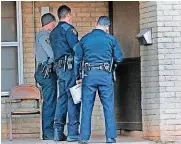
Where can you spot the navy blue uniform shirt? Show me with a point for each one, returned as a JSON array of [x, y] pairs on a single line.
[[97, 47], [63, 38]]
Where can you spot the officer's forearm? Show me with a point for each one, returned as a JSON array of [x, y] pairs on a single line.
[[77, 72]]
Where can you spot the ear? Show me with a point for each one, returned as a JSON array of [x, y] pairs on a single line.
[[95, 24], [107, 27]]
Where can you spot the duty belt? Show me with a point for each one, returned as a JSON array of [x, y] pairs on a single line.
[[66, 62], [100, 66]]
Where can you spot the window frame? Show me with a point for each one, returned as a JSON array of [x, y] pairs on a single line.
[[18, 44]]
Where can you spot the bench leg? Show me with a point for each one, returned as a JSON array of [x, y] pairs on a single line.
[[10, 126]]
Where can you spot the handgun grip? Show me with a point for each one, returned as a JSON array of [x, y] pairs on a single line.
[[65, 63], [43, 70]]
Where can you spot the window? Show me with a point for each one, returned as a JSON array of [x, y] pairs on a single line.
[[11, 46]]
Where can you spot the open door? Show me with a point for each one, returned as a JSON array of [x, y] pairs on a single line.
[[125, 16]]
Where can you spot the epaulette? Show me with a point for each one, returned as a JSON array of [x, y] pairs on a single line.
[[38, 35], [84, 38], [110, 36], [66, 26]]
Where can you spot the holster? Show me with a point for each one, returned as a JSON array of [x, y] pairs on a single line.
[[66, 62], [114, 72], [70, 63], [46, 69]]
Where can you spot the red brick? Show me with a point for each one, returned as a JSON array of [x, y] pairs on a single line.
[[90, 19], [83, 14], [77, 19], [96, 14], [27, 10], [87, 9], [97, 4], [29, 55], [83, 24], [29, 60], [27, 4], [74, 10], [101, 9], [29, 40]]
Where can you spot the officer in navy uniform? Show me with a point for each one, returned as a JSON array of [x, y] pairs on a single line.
[[97, 51], [63, 38], [44, 75]]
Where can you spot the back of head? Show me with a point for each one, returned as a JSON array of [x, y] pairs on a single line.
[[104, 21], [63, 11], [47, 18]]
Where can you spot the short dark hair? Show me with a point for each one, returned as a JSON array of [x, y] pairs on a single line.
[[104, 21], [63, 11], [47, 18]]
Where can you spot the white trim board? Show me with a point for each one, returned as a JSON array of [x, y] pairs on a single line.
[[18, 44]]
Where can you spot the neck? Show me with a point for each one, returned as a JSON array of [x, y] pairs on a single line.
[[100, 28], [64, 20], [45, 28]]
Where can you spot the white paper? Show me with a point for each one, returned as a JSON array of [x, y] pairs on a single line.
[[76, 92]]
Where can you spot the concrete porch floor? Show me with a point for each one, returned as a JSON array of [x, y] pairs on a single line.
[[94, 140]]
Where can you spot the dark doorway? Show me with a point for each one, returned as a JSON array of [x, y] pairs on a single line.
[[125, 17]]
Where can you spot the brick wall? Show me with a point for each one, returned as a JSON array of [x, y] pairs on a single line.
[[161, 71], [28, 42], [21, 124], [85, 15], [169, 54], [149, 73]]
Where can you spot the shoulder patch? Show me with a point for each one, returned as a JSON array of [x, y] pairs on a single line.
[[47, 40], [74, 31], [110, 36]]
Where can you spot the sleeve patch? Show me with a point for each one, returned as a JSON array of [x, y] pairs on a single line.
[[47, 40], [74, 31]]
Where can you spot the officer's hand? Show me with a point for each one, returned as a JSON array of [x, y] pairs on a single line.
[[79, 81]]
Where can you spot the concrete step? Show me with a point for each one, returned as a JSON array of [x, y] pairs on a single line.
[[120, 140], [93, 140]]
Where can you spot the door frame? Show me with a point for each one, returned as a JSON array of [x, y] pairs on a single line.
[[111, 31]]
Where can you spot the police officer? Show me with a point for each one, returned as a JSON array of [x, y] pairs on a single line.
[[44, 75], [63, 38], [97, 50]]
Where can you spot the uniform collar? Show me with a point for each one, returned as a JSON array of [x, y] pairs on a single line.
[[62, 22], [42, 30], [98, 30]]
